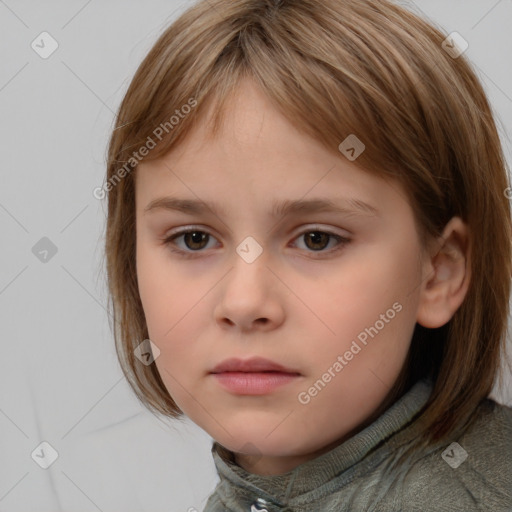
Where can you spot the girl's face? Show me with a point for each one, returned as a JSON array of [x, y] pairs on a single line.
[[261, 280]]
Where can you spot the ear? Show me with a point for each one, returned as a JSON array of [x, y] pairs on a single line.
[[447, 272]]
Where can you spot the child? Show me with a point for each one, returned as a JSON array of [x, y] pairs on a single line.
[[308, 253]]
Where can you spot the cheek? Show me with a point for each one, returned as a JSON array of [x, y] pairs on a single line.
[[371, 304], [163, 293], [151, 288], [175, 308], [367, 287]]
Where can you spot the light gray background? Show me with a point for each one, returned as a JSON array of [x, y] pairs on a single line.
[[59, 378]]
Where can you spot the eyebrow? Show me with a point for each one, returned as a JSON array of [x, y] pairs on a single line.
[[279, 209]]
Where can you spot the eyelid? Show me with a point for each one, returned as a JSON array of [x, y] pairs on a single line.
[[186, 229], [312, 227], [323, 229]]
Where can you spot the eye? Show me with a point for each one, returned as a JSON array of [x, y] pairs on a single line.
[[317, 240], [196, 239]]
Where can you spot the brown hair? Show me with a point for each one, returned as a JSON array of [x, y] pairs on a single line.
[[334, 68]]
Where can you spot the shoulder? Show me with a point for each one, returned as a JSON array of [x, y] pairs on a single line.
[[474, 471]]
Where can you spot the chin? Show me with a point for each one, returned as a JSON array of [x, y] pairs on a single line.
[[257, 442]]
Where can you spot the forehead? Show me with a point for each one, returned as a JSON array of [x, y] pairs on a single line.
[[252, 126], [257, 155]]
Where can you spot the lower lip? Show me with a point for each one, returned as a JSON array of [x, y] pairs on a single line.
[[254, 383]]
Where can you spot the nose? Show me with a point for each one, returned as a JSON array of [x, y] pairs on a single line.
[[250, 296]]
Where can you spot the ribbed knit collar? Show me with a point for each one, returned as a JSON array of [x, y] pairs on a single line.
[[339, 463]]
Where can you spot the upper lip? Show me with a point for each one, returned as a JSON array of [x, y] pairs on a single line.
[[253, 364]]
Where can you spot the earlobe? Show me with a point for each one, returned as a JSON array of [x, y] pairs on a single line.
[[447, 273]]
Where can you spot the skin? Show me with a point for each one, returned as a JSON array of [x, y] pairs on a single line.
[[295, 305]]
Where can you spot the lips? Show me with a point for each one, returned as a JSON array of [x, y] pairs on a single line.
[[253, 376], [251, 365]]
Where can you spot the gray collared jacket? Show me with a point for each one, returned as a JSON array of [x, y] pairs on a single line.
[[471, 473]]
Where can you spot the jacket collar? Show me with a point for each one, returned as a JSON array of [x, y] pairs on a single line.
[[337, 463]]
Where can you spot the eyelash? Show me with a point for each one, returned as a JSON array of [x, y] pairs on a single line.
[[169, 241]]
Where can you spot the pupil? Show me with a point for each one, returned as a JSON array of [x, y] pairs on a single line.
[[317, 237], [196, 237]]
